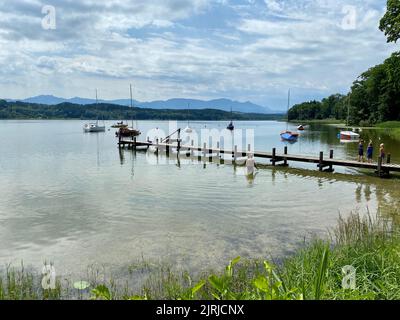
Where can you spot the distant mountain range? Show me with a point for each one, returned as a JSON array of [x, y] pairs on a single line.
[[174, 104]]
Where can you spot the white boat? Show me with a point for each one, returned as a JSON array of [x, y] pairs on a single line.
[[93, 127], [188, 129], [349, 136]]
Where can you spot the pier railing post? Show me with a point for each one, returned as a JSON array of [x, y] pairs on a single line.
[[389, 158], [331, 157], [179, 140], [285, 162], [321, 161], [274, 156]]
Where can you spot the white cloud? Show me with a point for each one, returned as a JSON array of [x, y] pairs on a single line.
[[166, 48]]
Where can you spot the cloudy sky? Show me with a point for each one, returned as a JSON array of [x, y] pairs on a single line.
[[240, 49]]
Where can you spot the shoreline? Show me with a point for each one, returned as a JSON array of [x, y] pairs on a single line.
[[358, 242]]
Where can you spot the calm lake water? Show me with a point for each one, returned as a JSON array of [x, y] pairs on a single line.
[[74, 199]]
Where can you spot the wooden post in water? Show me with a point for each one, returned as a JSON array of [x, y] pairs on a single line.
[[218, 149], [210, 154], [134, 143], [192, 146], [285, 163], [379, 171], [321, 161], [157, 146], [274, 156], [389, 156]]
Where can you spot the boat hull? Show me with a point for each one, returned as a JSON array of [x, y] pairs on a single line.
[[93, 128], [349, 136]]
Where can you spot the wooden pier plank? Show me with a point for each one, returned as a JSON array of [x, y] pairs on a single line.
[[269, 155]]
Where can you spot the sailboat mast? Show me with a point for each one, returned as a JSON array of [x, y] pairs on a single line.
[[188, 113], [97, 104], [130, 89], [288, 106]]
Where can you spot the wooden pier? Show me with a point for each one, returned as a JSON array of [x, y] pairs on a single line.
[[323, 163]]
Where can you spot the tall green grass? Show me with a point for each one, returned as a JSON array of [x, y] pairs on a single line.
[[371, 245]]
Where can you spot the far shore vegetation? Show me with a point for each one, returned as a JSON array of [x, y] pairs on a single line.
[[103, 111], [360, 260]]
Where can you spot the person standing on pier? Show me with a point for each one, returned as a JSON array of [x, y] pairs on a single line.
[[382, 152], [370, 152], [361, 151]]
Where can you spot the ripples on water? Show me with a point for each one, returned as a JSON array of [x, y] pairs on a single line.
[[69, 197]]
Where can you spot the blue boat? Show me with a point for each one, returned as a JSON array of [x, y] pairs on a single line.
[[289, 136]]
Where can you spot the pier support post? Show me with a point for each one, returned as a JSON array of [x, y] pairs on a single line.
[[235, 155], [205, 150], [321, 161], [379, 171], [218, 149], [274, 156], [134, 143]]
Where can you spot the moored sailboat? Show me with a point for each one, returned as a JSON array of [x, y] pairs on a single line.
[[288, 135], [94, 126], [230, 126]]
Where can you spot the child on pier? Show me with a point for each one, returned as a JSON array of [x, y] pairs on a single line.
[[382, 152], [370, 152], [361, 151]]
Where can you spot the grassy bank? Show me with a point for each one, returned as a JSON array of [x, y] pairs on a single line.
[[393, 126], [370, 246]]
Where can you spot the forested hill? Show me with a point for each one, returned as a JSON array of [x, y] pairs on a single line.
[[374, 96], [22, 110]]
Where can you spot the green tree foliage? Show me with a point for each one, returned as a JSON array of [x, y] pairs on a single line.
[[375, 95], [21, 110], [331, 107], [390, 23]]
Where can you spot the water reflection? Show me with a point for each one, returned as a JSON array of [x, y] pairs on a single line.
[[92, 198]]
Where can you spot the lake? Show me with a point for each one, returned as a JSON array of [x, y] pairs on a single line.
[[74, 199]]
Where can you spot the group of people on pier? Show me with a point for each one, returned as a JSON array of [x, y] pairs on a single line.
[[370, 151]]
